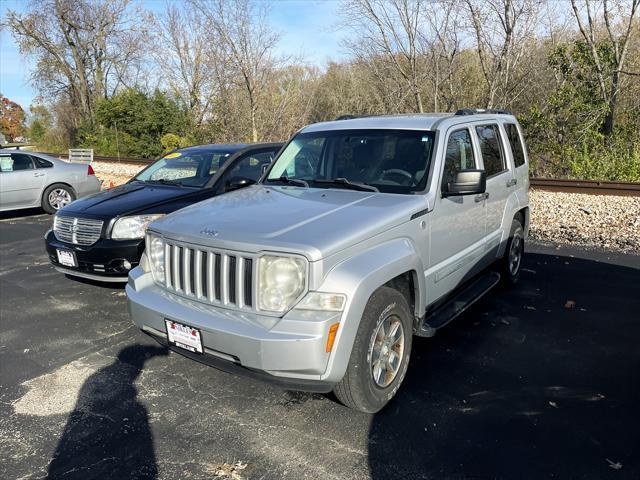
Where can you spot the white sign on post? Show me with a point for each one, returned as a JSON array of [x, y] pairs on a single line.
[[81, 155]]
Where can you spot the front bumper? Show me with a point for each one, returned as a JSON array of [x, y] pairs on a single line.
[[289, 351], [101, 261]]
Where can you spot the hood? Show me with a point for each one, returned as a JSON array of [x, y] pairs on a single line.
[[129, 198], [310, 221]]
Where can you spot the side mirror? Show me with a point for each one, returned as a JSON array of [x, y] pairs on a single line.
[[466, 182], [234, 183]]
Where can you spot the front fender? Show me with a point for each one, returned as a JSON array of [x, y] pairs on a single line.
[[358, 277]]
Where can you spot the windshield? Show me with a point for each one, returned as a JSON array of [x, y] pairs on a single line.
[[189, 169], [391, 161]]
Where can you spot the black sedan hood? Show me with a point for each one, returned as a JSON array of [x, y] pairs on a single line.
[[134, 197]]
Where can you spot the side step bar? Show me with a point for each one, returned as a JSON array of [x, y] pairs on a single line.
[[448, 311]]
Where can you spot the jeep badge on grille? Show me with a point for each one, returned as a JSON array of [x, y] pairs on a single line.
[[209, 232]]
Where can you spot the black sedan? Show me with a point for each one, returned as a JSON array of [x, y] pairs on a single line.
[[101, 237]]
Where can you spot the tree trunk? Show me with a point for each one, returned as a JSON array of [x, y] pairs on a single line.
[[418, 98], [609, 122]]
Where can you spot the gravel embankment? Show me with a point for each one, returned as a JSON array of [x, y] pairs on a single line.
[[118, 173], [578, 219], [589, 220]]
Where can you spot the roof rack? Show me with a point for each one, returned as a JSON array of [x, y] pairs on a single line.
[[479, 111]]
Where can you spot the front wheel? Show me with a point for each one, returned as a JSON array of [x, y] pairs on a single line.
[[57, 196], [380, 355]]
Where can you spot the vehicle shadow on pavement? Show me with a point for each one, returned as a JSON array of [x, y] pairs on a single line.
[[25, 212], [538, 381], [97, 283], [107, 435]]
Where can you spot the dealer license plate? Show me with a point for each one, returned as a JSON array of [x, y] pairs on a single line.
[[184, 336], [66, 258]]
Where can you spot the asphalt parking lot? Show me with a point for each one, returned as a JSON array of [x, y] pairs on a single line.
[[540, 381]]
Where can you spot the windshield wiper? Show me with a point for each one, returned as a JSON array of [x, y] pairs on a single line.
[[290, 181], [363, 187], [163, 181]]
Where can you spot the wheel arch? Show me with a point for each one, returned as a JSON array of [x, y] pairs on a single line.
[[523, 214], [396, 262]]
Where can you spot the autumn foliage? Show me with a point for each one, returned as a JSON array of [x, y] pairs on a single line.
[[11, 119]]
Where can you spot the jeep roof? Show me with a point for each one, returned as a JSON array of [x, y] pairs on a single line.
[[409, 121]]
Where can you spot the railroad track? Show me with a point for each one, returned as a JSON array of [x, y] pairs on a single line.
[[591, 187]]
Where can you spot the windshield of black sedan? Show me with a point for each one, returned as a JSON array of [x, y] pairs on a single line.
[[393, 161], [187, 168]]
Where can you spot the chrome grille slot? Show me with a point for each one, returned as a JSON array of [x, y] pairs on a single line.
[[78, 231], [248, 281], [232, 279], [216, 277], [211, 276]]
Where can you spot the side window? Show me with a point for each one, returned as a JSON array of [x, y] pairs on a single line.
[[250, 166], [459, 155], [491, 148], [6, 164], [21, 162], [516, 144], [42, 163]]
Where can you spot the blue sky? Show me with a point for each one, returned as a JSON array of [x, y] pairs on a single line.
[[305, 27]]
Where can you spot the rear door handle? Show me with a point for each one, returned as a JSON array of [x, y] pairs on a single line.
[[481, 197], [512, 182], [38, 174]]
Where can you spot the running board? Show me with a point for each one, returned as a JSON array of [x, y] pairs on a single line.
[[442, 315]]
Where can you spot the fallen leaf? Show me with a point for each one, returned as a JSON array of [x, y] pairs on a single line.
[[570, 304], [529, 307], [553, 404], [614, 465]]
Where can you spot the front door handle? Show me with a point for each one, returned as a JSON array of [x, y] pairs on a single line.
[[512, 182], [481, 197], [38, 174]]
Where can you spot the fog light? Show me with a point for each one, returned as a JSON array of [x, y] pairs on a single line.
[[126, 264]]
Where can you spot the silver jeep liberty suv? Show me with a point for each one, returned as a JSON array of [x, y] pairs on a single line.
[[362, 233]]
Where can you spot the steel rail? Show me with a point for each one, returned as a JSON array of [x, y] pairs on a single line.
[[590, 187]]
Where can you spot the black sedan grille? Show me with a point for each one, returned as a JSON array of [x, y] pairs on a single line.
[[78, 231]]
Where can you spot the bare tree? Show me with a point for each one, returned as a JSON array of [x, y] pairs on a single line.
[[389, 29], [619, 25], [502, 29], [442, 44], [81, 48], [187, 58], [247, 43]]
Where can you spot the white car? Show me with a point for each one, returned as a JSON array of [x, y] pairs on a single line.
[[29, 179]]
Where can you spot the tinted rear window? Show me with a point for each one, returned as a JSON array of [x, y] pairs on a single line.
[[491, 149], [516, 144]]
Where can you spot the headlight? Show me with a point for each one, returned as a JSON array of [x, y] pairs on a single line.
[[155, 255], [281, 280], [127, 228]]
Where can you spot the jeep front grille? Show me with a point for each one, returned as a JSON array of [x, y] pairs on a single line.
[[212, 276], [79, 231]]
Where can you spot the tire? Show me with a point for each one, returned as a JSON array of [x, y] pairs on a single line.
[[511, 261], [57, 196], [358, 389]]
